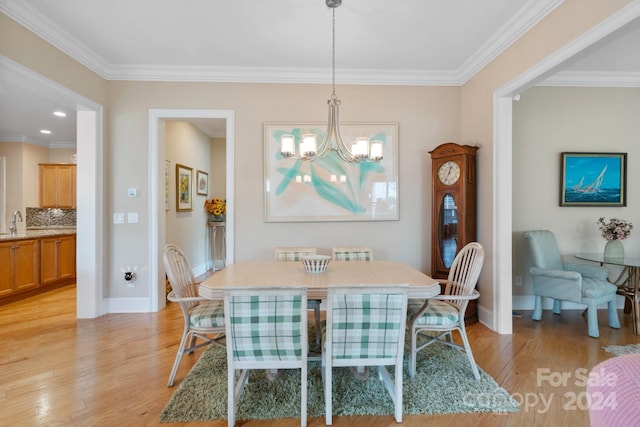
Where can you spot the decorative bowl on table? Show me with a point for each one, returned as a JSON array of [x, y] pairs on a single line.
[[315, 263]]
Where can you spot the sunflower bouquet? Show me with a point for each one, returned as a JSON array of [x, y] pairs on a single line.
[[216, 208]]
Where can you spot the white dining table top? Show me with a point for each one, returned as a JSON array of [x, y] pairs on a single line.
[[338, 273]]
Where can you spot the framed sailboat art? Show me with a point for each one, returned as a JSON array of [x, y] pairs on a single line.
[[594, 179]]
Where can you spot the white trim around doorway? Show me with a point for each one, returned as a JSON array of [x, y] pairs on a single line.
[[156, 203]]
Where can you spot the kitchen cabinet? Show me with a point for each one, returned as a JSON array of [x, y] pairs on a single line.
[[19, 266], [57, 185], [57, 259]]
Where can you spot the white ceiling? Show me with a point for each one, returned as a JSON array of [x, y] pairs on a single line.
[[408, 42]]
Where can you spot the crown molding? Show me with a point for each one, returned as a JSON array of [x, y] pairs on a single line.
[[39, 24], [282, 75], [23, 139], [57, 145], [532, 13], [593, 79], [30, 18]]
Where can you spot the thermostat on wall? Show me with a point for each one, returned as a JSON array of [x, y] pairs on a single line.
[[133, 192]]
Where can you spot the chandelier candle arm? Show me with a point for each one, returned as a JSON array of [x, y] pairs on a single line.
[[362, 150]]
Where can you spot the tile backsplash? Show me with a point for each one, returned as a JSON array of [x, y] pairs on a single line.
[[51, 217]]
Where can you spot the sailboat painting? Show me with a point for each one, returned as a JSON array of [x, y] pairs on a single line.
[[594, 179]]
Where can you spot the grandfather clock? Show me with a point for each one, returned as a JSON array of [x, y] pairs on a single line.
[[453, 222]]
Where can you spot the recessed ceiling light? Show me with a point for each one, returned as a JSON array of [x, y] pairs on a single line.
[[45, 131], [60, 113]]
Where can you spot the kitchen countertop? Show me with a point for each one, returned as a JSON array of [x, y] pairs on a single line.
[[36, 232]]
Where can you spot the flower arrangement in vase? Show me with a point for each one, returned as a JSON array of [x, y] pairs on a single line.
[[614, 231], [216, 208]]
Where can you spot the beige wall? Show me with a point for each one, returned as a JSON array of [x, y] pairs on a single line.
[[551, 120], [13, 152], [23, 178], [187, 146], [61, 155], [427, 116], [569, 21], [33, 155], [218, 171]]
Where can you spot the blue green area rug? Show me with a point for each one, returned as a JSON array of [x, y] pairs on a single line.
[[443, 384]]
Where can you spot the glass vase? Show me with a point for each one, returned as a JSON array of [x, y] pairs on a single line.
[[614, 249]]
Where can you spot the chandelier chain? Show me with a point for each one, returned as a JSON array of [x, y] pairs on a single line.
[[333, 54], [362, 150]]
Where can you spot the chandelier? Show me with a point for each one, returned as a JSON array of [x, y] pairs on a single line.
[[362, 149]]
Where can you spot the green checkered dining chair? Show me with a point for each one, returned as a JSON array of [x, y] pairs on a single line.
[[352, 253], [266, 329], [202, 317], [444, 313], [365, 327], [295, 254]]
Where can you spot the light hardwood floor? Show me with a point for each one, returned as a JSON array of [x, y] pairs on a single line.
[[56, 370]]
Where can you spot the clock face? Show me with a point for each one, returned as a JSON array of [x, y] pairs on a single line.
[[449, 173]]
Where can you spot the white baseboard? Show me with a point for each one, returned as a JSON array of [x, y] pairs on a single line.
[[486, 317], [126, 305]]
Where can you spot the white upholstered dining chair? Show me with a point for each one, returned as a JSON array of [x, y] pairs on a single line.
[[202, 317], [257, 338], [436, 318], [365, 327]]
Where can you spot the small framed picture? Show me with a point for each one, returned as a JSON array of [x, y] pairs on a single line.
[[184, 196], [593, 179], [202, 181]]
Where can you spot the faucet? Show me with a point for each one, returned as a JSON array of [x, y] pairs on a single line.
[[13, 228]]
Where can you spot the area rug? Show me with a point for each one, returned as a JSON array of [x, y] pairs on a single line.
[[443, 384], [619, 350]]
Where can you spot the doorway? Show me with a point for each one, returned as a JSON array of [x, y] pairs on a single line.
[[157, 150], [501, 320], [90, 206]]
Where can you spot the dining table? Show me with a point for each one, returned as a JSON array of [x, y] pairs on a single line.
[[338, 273], [628, 281], [249, 274]]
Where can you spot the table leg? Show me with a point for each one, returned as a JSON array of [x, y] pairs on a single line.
[[632, 298]]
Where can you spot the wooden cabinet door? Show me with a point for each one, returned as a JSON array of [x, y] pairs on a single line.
[[48, 260], [57, 259], [48, 186], [26, 255], [57, 186], [66, 257], [6, 261], [66, 186]]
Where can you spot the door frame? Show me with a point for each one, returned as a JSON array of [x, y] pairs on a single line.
[[157, 157], [501, 319]]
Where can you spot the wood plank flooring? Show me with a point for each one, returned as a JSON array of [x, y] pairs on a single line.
[[56, 370]]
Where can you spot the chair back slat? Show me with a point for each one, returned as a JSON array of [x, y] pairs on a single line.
[[180, 273], [465, 271]]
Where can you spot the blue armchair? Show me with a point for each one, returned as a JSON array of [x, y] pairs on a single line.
[[579, 283]]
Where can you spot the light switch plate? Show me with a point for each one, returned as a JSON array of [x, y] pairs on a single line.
[[118, 218], [132, 217]]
